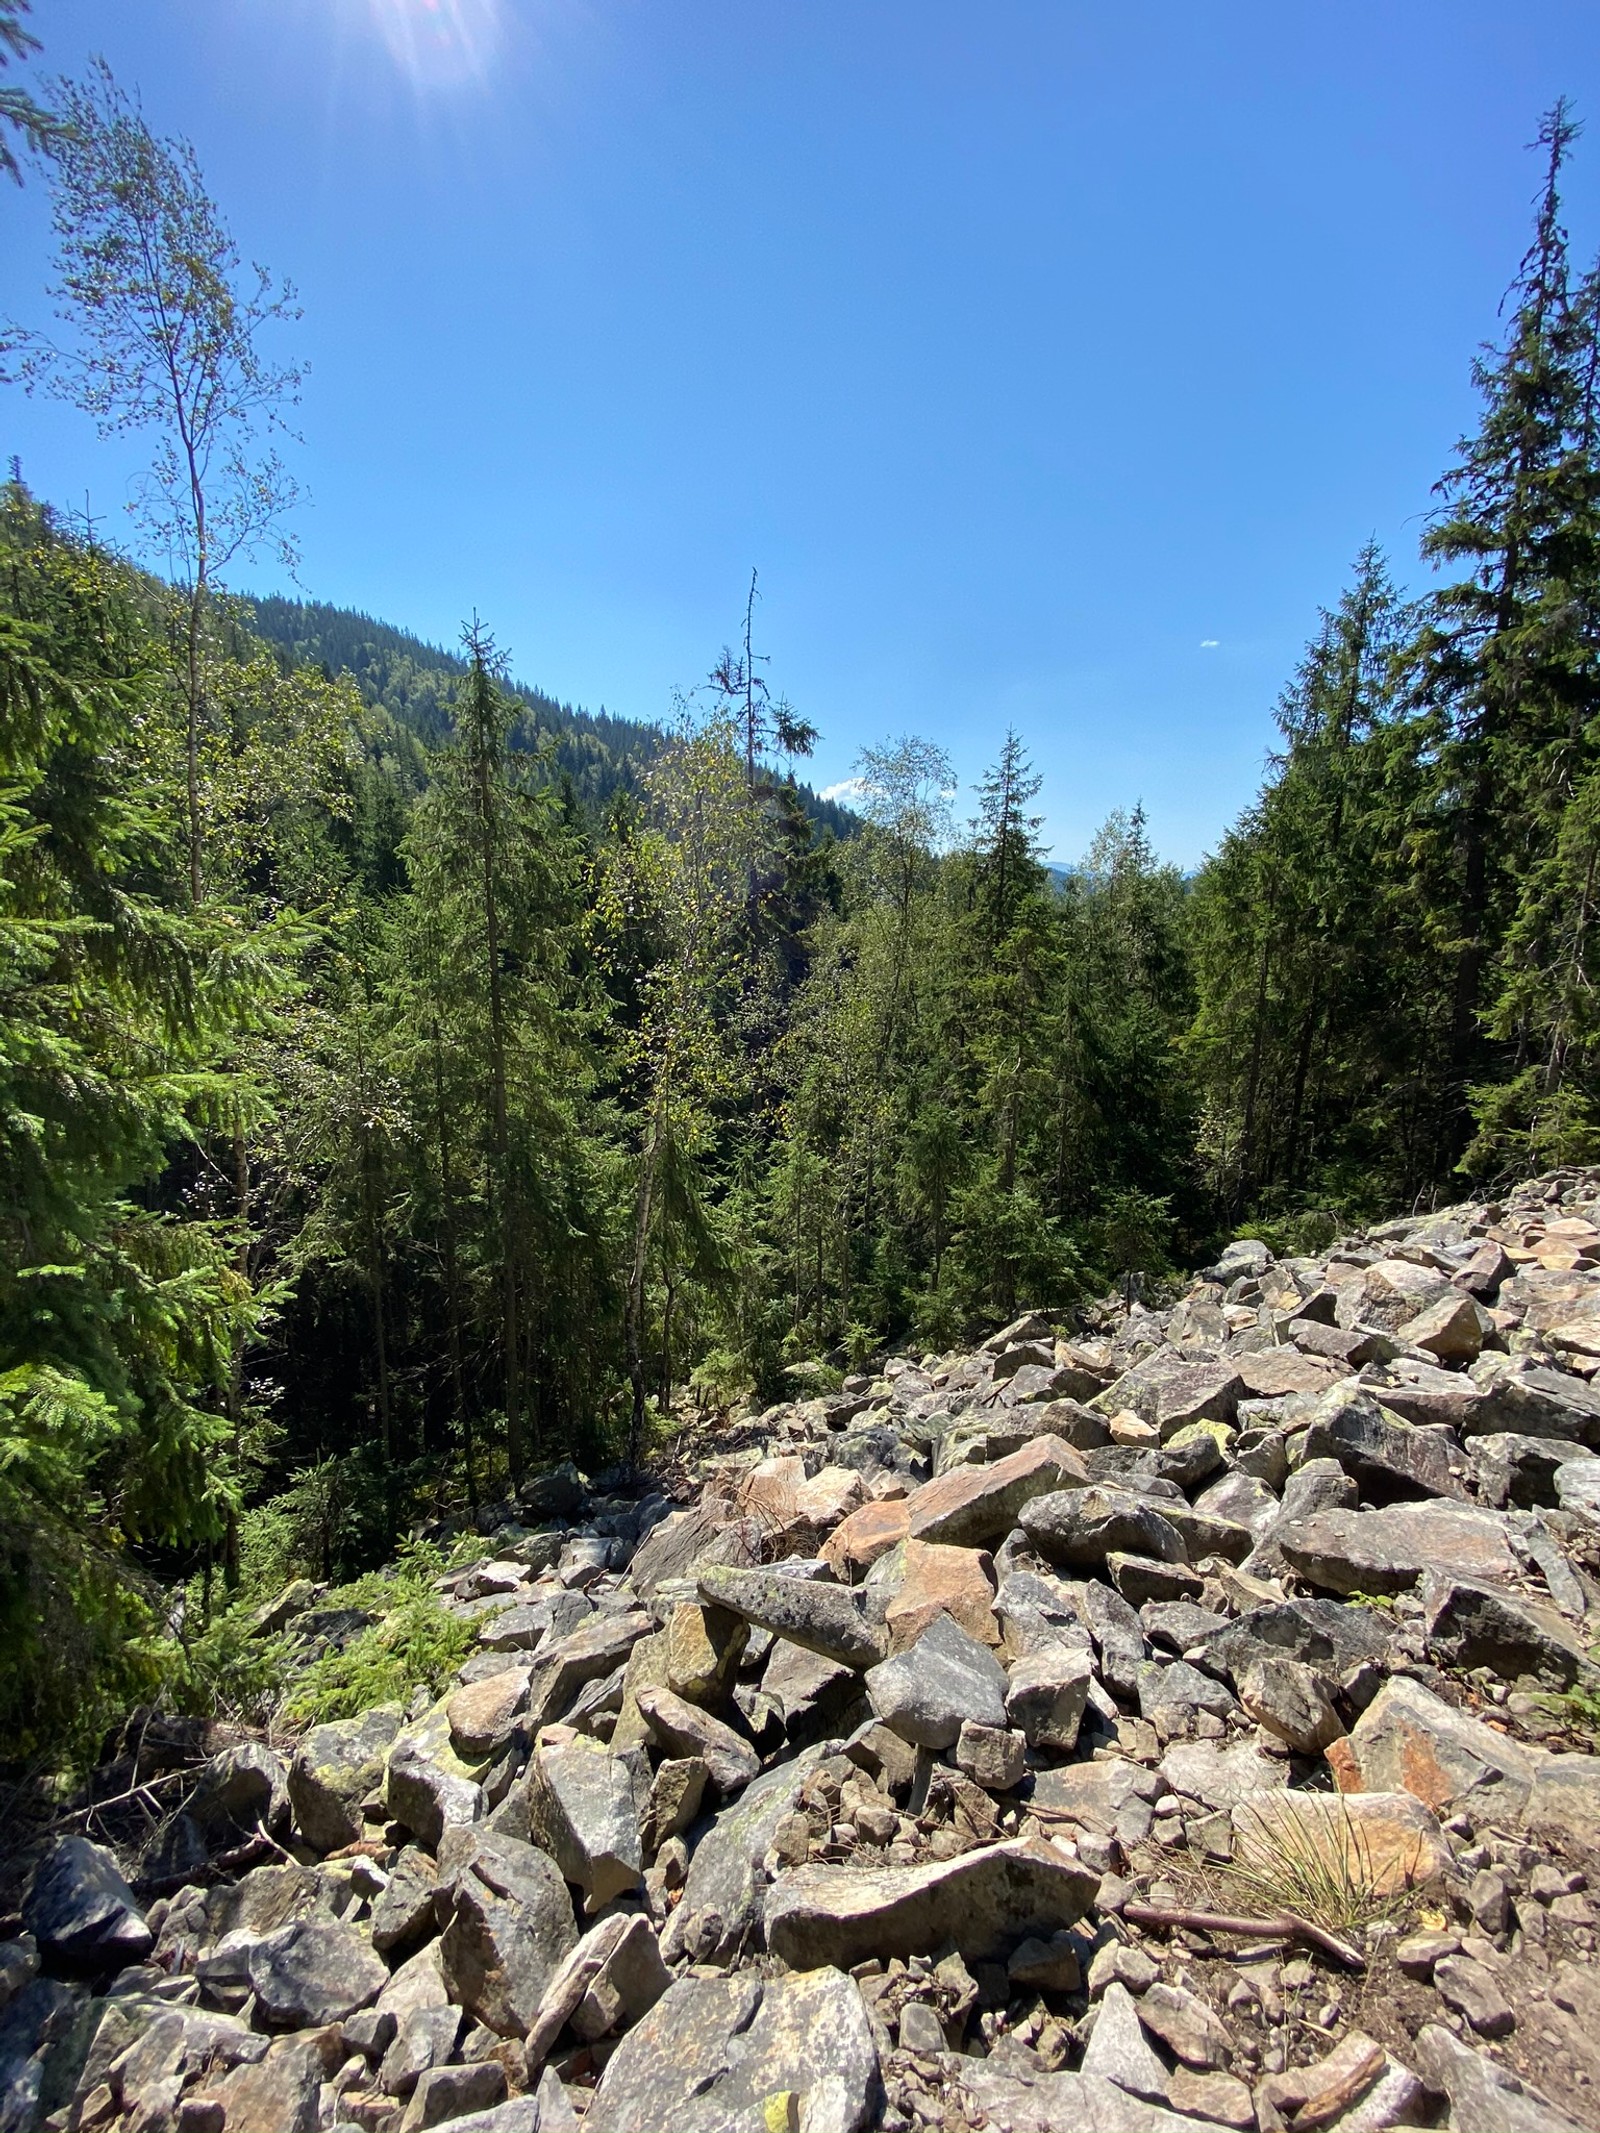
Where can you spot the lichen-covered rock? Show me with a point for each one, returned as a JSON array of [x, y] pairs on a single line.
[[334, 1768], [741, 2055]]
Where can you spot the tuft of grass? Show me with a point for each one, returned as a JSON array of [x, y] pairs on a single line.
[[1326, 1874]]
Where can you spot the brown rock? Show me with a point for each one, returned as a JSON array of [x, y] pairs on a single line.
[[483, 1716], [942, 1580], [974, 1505], [704, 1646], [830, 1495], [853, 1547]]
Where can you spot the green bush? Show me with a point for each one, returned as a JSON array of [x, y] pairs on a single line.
[[417, 1642]]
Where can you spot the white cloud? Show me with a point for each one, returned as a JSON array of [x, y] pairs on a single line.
[[849, 790], [1209, 644]]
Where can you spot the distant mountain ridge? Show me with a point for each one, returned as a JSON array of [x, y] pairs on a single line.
[[414, 680]]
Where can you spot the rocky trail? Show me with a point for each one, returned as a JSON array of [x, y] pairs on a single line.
[[1181, 1720]]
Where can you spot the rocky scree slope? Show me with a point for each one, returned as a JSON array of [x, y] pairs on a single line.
[[1181, 1724]]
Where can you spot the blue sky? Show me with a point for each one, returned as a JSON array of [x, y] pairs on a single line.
[[1051, 361]]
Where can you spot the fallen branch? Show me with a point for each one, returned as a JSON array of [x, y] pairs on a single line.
[[120, 1799], [1279, 1925]]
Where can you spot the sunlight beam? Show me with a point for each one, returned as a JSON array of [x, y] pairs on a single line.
[[441, 42]]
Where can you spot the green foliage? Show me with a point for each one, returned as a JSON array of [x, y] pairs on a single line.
[[417, 1643], [406, 1081]]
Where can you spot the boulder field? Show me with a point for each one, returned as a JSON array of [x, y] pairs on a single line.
[[1181, 1718]]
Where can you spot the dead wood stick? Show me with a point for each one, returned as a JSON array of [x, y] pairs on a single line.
[[1286, 1923], [118, 1799]]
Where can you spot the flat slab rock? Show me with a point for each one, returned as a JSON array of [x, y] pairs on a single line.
[[744, 2055], [974, 1506], [1388, 1551], [1065, 2103], [985, 1899]]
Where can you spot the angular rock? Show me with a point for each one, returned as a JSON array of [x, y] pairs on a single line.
[[1379, 1451], [1473, 1625], [1293, 1702], [992, 1756], [425, 2039], [1387, 1551], [483, 1716], [925, 1693], [1046, 1692], [683, 1729], [1389, 1295], [855, 1545], [973, 1507], [744, 2055], [812, 1696], [314, 1971], [1221, 1775], [612, 1977], [704, 1647], [334, 1768], [942, 1580], [1186, 2026], [724, 1896], [451, 2092], [1482, 2092], [402, 1915], [831, 1494], [1534, 1402], [833, 1620], [1453, 1329], [426, 1784], [675, 1795], [1096, 1795], [1324, 1634], [1473, 1990], [584, 1810], [1173, 1687], [245, 1786], [1054, 2103], [1083, 1526], [510, 1924], [1272, 1373], [1120, 2051], [1409, 1740], [81, 1911], [278, 2094], [985, 1899], [590, 1652]]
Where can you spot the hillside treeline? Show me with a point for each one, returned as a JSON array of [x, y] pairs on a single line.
[[396, 1096]]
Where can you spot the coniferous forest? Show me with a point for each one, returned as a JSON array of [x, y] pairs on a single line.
[[408, 1082]]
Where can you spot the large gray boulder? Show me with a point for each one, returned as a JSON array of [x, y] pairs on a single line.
[[715, 2054], [724, 1895], [1387, 1551], [334, 1768], [81, 1911], [925, 1692], [314, 1971], [584, 1808], [984, 1900], [835, 1621], [510, 1924], [1084, 1526]]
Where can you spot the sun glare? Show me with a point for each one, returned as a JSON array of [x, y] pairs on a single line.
[[440, 41]]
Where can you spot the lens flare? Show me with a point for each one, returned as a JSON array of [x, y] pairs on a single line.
[[441, 41]]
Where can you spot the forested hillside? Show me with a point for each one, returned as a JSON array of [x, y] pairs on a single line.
[[406, 1082], [594, 755]]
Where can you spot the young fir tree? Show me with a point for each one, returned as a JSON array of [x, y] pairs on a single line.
[[1506, 665]]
